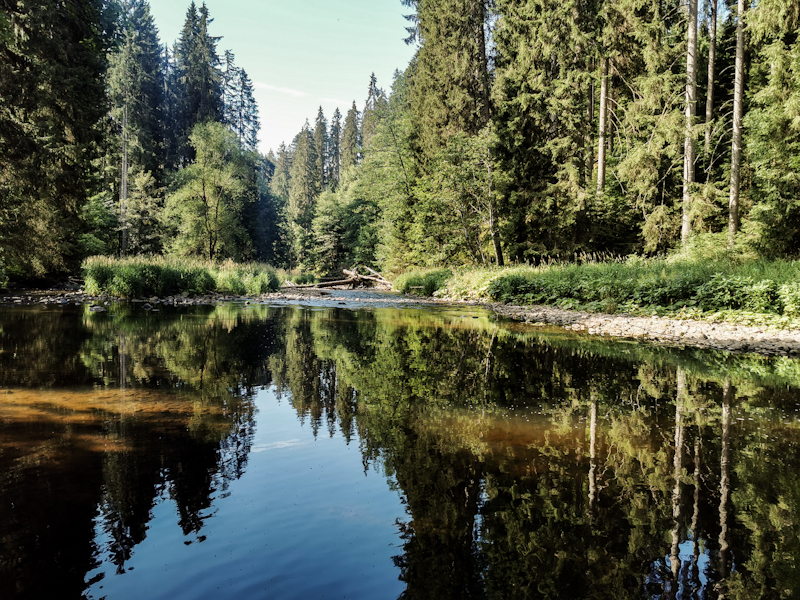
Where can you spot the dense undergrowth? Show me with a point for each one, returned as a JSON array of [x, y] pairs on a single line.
[[727, 286], [142, 276]]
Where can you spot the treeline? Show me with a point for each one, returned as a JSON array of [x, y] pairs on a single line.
[[112, 143], [521, 129], [525, 129]]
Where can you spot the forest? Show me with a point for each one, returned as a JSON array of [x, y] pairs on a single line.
[[520, 131]]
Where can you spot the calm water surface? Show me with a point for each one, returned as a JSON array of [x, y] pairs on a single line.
[[321, 452]]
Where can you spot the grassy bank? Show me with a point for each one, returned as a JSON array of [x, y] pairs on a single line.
[[144, 276], [754, 291]]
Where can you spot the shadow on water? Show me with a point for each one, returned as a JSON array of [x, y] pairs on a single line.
[[531, 464]]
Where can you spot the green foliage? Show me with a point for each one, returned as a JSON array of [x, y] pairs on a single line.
[[749, 287], [52, 101], [100, 223], [157, 276], [422, 283], [205, 214]]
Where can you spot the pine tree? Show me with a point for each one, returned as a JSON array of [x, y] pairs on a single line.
[[135, 90], [350, 145], [542, 92], [334, 149], [197, 73], [321, 149], [303, 192], [450, 90], [369, 119], [738, 113], [771, 140], [52, 72]]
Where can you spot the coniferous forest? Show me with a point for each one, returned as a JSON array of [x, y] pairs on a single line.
[[521, 130]]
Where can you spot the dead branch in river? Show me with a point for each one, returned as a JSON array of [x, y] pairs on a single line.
[[354, 279]]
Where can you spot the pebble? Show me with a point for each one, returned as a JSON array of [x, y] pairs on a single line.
[[663, 330]]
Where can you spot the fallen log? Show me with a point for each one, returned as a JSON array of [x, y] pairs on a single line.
[[354, 278]]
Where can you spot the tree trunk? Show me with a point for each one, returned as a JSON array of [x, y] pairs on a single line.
[[601, 144], [123, 184], [691, 104], [712, 55], [736, 144]]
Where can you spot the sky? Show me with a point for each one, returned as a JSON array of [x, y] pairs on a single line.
[[302, 54]]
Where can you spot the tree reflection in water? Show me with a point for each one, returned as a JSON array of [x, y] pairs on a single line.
[[531, 464]]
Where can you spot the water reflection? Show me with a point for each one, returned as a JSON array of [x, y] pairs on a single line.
[[530, 464]]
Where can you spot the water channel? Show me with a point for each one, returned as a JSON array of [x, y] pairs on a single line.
[[322, 451]]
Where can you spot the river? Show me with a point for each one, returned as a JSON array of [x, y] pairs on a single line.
[[368, 451]]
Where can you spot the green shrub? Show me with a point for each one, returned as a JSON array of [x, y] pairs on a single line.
[[789, 299], [422, 283]]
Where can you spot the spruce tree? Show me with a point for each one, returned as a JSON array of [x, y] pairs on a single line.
[[303, 191], [199, 78], [334, 149], [321, 148], [52, 100], [450, 90], [369, 118], [350, 145], [135, 91]]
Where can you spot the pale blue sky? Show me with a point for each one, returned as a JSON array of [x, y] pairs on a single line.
[[301, 54]]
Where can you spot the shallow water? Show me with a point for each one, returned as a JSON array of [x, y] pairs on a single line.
[[278, 451]]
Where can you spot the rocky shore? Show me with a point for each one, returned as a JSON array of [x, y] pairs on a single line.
[[659, 330], [662, 330]]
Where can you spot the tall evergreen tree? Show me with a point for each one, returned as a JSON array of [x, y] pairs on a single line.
[[135, 90], [136, 80], [334, 149], [240, 111], [199, 77], [321, 148], [691, 109], [303, 191], [450, 90], [51, 101], [771, 131], [351, 144], [369, 118]]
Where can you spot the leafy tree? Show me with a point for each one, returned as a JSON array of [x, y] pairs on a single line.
[[205, 214]]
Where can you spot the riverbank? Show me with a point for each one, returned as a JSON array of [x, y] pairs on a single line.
[[654, 329]]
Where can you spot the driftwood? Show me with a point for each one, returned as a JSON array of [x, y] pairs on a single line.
[[354, 279]]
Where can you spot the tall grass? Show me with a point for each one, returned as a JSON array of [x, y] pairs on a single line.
[[143, 276], [422, 282], [676, 282]]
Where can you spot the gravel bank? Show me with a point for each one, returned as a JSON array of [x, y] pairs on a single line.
[[660, 330]]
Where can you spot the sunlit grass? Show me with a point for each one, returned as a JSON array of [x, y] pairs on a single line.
[[700, 282], [142, 276]]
